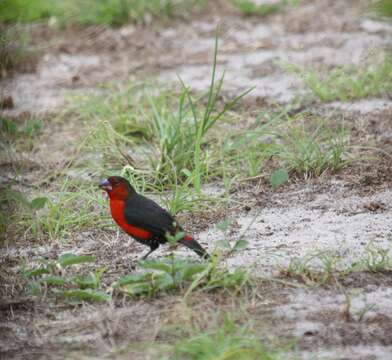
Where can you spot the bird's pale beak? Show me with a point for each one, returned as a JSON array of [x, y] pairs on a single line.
[[105, 185]]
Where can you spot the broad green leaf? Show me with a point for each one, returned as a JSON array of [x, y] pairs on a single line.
[[173, 239], [164, 282], [240, 245], [85, 295], [37, 272], [39, 203], [137, 288], [156, 265], [189, 271], [33, 288], [200, 276], [278, 178], [225, 244], [54, 280], [72, 259], [86, 281], [186, 172], [134, 278], [223, 225]]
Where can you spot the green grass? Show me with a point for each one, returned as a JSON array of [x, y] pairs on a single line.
[[323, 268], [16, 52], [92, 12], [174, 275], [250, 8], [375, 260], [15, 138], [168, 144], [305, 146], [383, 8], [54, 215], [228, 341], [19, 135], [311, 150], [373, 78], [315, 269], [55, 276], [156, 278], [167, 137], [162, 147]]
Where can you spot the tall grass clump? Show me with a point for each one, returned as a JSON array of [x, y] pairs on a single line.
[[171, 132]]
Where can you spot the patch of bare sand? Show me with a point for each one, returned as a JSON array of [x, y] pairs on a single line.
[[249, 49]]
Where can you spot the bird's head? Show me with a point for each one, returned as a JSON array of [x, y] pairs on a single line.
[[117, 187]]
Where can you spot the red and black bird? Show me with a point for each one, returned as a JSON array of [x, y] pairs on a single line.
[[142, 218]]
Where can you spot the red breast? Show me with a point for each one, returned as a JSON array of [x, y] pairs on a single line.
[[117, 209]]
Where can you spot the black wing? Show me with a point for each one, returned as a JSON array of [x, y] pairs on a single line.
[[148, 215]]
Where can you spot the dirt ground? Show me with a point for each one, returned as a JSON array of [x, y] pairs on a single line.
[[341, 214]]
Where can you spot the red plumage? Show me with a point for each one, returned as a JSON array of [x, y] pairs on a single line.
[[142, 218]]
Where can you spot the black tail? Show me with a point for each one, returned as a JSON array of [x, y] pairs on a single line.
[[192, 244]]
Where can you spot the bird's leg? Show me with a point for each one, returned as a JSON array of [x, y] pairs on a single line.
[[153, 247]]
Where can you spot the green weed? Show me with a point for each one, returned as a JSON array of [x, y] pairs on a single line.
[[13, 204], [177, 275], [313, 270], [52, 276], [375, 260], [351, 82], [311, 149], [174, 134], [300, 145], [230, 246], [54, 215], [19, 137]]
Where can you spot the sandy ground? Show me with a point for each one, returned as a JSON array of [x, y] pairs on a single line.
[[341, 215]]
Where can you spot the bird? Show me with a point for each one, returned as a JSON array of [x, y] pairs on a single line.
[[142, 218]]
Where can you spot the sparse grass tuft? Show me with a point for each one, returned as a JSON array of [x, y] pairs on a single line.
[[347, 83], [313, 270], [375, 260], [19, 137], [311, 149], [302, 145]]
